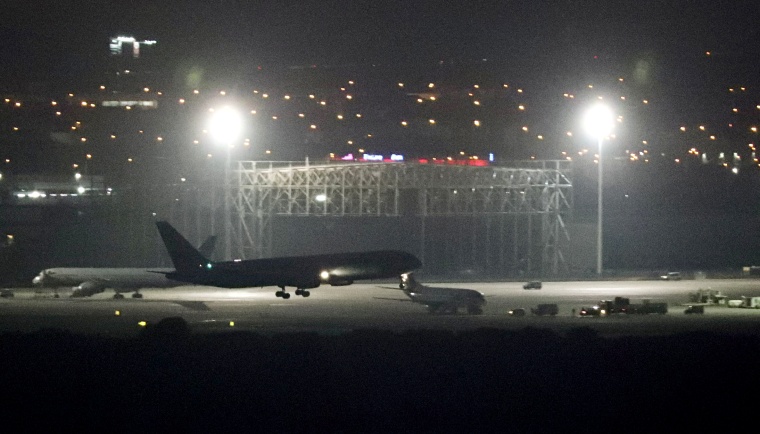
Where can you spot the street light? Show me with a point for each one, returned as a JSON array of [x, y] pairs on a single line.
[[225, 126], [599, 122]]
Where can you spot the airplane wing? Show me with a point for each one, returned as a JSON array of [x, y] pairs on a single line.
[[392, 299], [193, 305]]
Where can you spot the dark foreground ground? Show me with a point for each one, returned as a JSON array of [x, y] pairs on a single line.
[[171, 380]]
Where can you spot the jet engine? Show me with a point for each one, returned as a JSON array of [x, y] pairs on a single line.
[[340, 282], [87, 289]]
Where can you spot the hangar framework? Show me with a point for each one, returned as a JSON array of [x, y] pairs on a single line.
[[493, 219]]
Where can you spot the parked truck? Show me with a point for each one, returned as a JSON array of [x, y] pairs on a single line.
[[647, 306], [545, 309], [616, 305], [745, 302], [624, 305]]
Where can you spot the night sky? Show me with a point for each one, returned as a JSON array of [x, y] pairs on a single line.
[[71, 36], [686, 56]]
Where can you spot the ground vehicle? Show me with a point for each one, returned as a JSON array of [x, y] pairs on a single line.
[[745, 302], [751, 302], [517, 312], [545, 309], [672, 275], [707, 295], [624, 305], [533, 284], [617, 305], [590, 311], [694, 309], [646, 306]]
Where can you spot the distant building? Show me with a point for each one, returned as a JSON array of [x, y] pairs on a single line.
[[129, 46], [132, 62]]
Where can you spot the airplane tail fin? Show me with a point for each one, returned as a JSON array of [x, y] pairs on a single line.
[[185, 257], [408, 283]]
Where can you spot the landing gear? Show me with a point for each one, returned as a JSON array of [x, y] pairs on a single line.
[[282, 293], [137, 295], [286, 295], [118, 296], [443, 309]]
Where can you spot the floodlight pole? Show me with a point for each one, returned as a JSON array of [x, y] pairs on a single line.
[[599, 216], [227, 204]]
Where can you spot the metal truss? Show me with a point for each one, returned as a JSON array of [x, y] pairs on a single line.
[[501, 220]]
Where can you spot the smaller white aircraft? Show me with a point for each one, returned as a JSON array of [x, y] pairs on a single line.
[[86, 282], [441, 300]]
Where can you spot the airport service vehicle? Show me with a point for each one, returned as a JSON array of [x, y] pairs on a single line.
[[616, 305], [672, 275], [624, 305], [708, 296], [745, 302], [694, 308], [517, 312], [590, 311], [533, 284], [751, 302], [647, 306], [545, 309]]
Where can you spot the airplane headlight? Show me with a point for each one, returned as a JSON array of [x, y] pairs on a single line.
[[324, 275]]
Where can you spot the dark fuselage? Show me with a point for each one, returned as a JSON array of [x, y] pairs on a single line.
[[303, 271]]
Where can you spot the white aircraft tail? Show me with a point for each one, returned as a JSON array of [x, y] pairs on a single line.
[[408, 283]]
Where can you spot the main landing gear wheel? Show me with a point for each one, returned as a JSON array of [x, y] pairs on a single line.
[[118, 296], [136, 295], [303, 292], [282, 293]]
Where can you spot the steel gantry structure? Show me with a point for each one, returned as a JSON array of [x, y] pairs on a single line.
[[495, 219]]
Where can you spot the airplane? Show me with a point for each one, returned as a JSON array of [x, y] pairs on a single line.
[[301, 272], [441, 300], [86, 282]]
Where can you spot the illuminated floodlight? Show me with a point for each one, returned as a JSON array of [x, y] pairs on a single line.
[[599, 121], [321, 197], [225, 125]]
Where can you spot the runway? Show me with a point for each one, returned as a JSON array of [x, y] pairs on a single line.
[[377, 305]]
